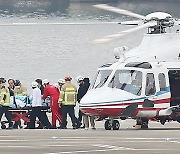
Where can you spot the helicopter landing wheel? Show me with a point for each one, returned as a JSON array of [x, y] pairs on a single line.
[[144, 125], [107, 125], [3, 126], [115, 125]]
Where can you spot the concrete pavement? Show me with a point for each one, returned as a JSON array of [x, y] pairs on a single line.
[[157, 139]]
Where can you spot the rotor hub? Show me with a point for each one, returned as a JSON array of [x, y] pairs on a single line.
[[158, 16]]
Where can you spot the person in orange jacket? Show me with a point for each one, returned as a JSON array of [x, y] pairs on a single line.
[[54, 94]]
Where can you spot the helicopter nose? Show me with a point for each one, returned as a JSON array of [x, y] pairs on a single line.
[[95, 96], [103, 101], [92, 99]]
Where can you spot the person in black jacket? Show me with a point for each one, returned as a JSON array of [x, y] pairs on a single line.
[[83, 88], [80, 94], [86, 118], [11, 86], [41, 87]]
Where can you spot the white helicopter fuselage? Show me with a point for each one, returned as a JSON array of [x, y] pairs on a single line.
[[157, 47], [150, 65]]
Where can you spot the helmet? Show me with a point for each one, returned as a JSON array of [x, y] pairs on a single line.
[[79, 78], [17, 83], [45, 81], [68, 78], [34, 84], [61, 81], [2, 80]]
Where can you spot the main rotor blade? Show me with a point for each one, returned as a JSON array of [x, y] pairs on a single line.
[[134, 22], [122, 33], [118, 10], [55, 23]]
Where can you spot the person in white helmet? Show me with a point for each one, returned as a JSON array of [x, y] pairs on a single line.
[[61, 82], [36, 105], [79, 96], [53, 92]]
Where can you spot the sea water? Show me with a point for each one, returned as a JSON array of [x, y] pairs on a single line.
[[53, 51]]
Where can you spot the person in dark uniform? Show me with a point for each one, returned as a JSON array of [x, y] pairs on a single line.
[[40, 85], [80, 94], [11, 86], [83, 90]]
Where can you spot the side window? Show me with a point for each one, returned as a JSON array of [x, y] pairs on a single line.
[[150, 84], [162, 82]]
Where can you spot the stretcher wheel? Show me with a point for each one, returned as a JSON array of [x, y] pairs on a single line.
[[3, 126]]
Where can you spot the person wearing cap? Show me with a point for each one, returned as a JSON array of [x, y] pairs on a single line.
[[79, 80], [36, 105], [20, 93], [80, 94], [20, 89], [53, 92], [5, 102], [87, 118], [61, 82], [69, 98]]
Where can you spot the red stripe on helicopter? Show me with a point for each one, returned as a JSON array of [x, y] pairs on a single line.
[[114, 111], [162, 101]]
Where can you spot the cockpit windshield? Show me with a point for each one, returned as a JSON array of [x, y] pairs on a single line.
[[101, 78], [128, 80]]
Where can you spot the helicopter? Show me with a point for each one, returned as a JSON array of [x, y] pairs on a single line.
[[144, 82]]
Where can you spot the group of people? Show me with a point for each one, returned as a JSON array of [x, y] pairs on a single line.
[[63, 97], [14, 88]]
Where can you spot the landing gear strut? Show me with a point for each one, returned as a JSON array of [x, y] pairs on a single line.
[[112, 124]]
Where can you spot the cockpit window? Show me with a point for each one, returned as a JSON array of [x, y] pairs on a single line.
[[101, 78], [128, 80]]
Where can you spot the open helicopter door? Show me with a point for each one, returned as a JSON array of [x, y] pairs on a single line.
[[174, 80], [156, 92]]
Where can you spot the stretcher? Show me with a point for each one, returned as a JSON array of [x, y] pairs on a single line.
[[20, 109]]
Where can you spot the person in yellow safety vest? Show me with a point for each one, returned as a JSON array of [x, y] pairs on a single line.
[[69, 98], [20, 89], [5, 102]]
